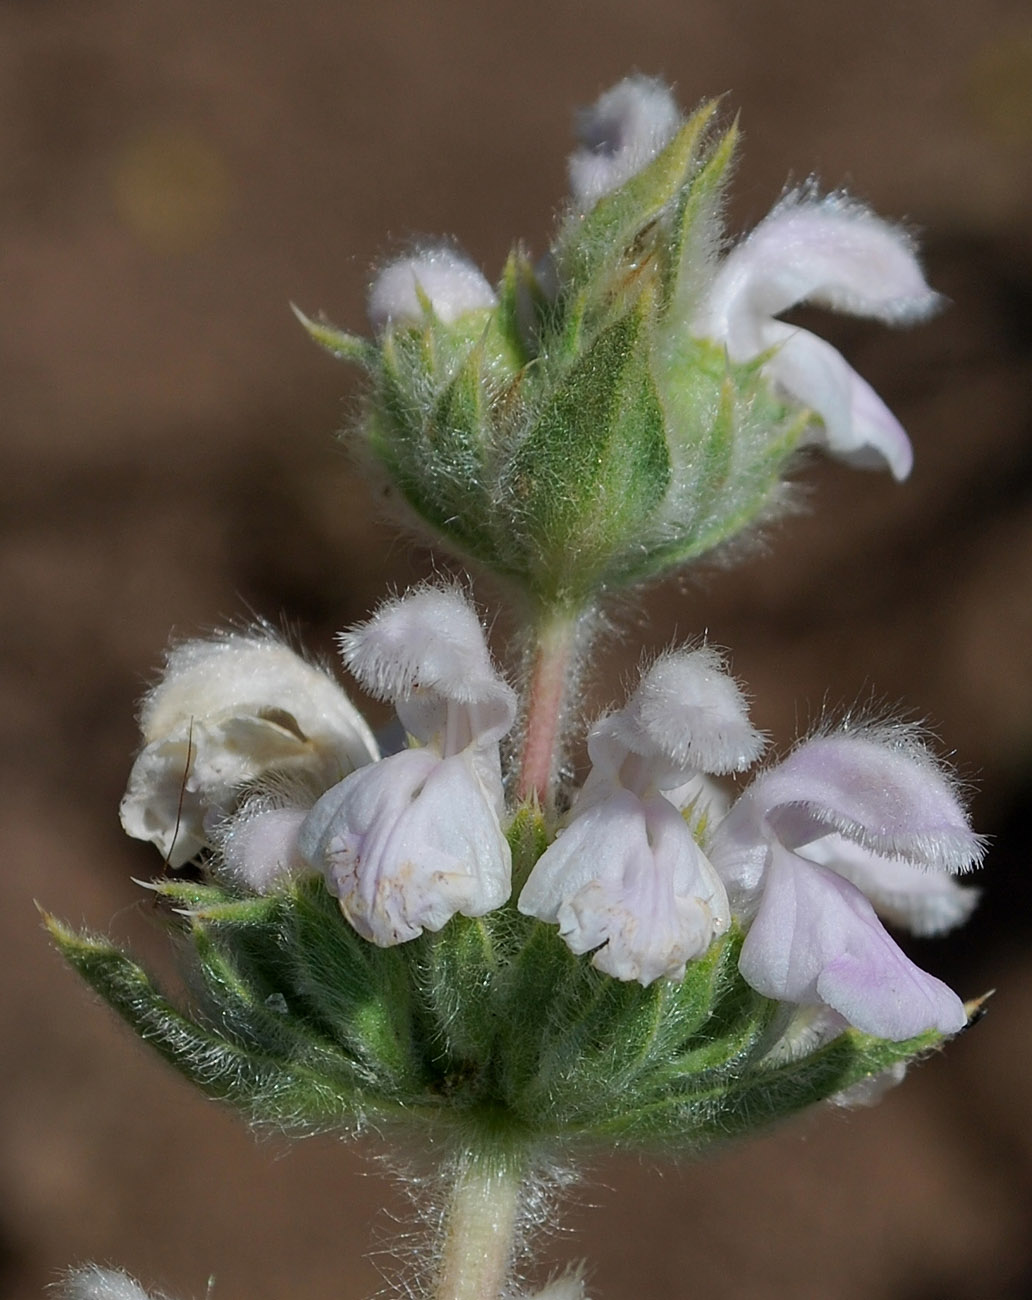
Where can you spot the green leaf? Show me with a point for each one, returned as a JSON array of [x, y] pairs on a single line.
[[593, 467], [455, 970], [696, 227], [345, 347], [268, 1088], [360, 993]]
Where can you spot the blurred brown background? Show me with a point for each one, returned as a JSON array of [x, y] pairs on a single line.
[[172, 175]]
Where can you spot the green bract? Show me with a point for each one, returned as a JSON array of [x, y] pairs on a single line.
[[577, 438], [490, 1028]]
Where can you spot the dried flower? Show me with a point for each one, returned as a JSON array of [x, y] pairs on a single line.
[[227, 713]]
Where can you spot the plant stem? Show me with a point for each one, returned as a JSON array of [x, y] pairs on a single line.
[[552, 677], [479, 1230]]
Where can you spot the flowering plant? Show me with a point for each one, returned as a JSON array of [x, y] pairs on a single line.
[[459, 942]]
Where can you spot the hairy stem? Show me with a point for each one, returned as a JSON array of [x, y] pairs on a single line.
[[480, 1226], [552, 677]]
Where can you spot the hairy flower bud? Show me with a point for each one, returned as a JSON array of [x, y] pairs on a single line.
[[619, 135], [437, 281]]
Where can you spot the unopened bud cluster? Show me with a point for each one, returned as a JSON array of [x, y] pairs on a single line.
[[630, 401]]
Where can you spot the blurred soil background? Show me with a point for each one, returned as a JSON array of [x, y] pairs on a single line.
[[172, 176]]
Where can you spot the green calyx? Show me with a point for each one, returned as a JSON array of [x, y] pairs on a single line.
[[490, 1029], [577, 438]]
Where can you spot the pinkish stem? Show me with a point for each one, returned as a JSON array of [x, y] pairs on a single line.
[[552, 676]]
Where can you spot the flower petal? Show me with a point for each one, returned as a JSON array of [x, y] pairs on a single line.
[[689, 710], [414, 840], [627, 878], [883, 791], [260, 847], [817, 940], [924, 902], [619, 135], [440, 277], [426, 651], [857, 425], [832, 252]]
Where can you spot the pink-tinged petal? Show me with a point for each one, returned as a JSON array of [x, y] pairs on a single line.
[[441, 277], [426, 652], [739, 850], [925, 902], [885, 793], [619, 135], [832, 252], [857, 426], [260, 849], [415, 841], [627, 879], [686, 716], [817, 940]]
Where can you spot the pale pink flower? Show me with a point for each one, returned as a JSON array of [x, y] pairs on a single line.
[[847, 823], [831, 252]]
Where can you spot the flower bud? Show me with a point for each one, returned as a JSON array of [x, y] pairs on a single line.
[[91, 1282], [619, 135], [437, 281]]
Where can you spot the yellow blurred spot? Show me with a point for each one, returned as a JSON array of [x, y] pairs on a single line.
[[1000, 87], [172, 189]]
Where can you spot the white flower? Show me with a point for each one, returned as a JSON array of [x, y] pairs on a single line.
[[619, 135], [410, 841], [436, 277], [625, 877], [832, 252], [847, 824], [227, 713]]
